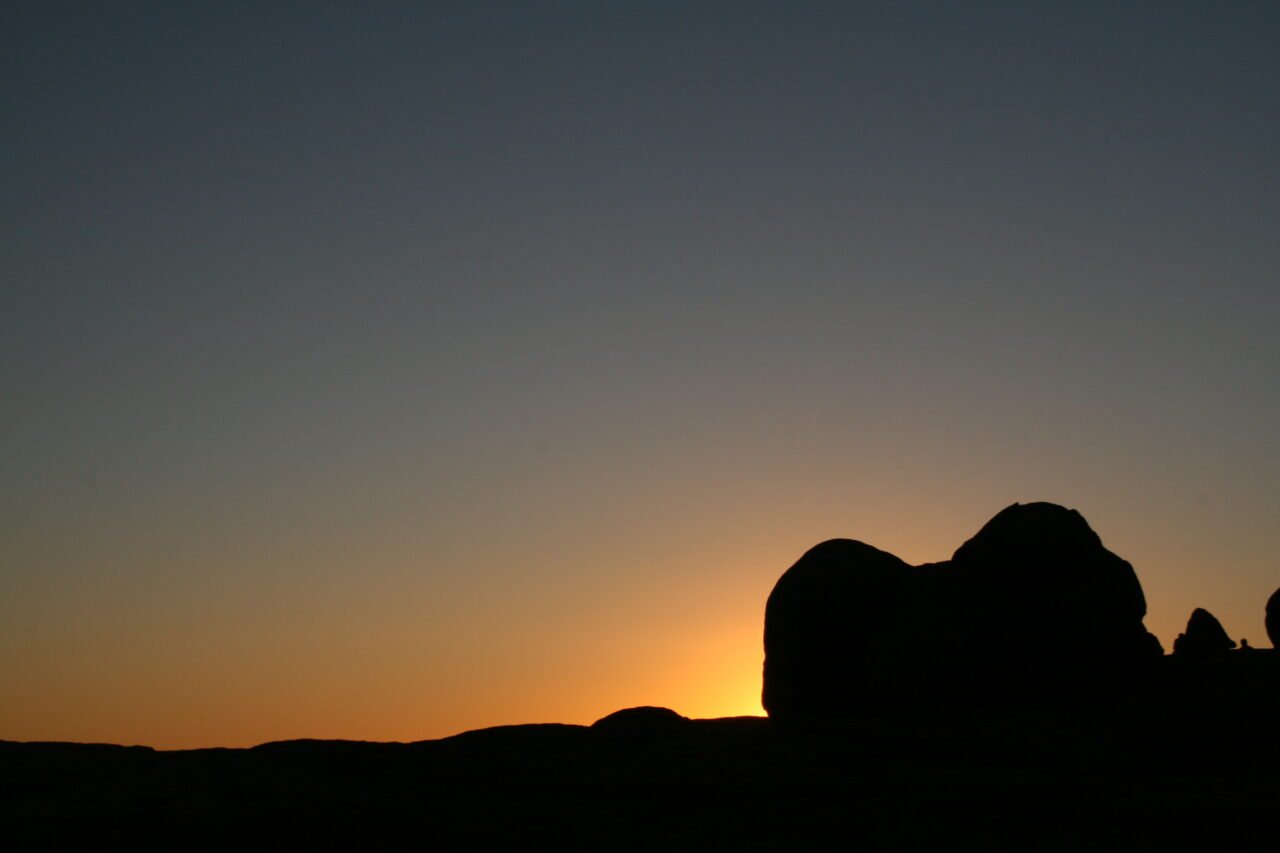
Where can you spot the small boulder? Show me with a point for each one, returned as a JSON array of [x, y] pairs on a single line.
[[642, 720], [1204, 637], [1273, 619]]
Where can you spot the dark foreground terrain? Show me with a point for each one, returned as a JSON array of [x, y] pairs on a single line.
[[1189, 763]]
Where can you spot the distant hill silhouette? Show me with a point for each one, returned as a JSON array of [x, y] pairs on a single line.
[[1188, 768], [1032, 607]]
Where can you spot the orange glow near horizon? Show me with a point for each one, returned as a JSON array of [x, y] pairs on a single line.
[[675, 624]]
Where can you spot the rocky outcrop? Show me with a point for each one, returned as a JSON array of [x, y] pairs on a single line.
[[1032, 606], [1204, 637]]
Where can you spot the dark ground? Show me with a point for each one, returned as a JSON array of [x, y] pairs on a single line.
[[1189, 763]]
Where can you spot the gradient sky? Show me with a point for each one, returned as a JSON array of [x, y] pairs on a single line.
[[387, 370]]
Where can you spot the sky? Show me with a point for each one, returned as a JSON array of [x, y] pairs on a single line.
[[386, 370]]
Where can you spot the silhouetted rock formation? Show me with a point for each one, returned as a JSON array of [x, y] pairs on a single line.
[[1052, 605], [644, 720], [826, 618], [1273, 618], [1204, 637], [1031, 606]]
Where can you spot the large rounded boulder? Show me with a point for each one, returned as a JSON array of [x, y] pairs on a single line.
[[822, 624], [1052, 609]]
